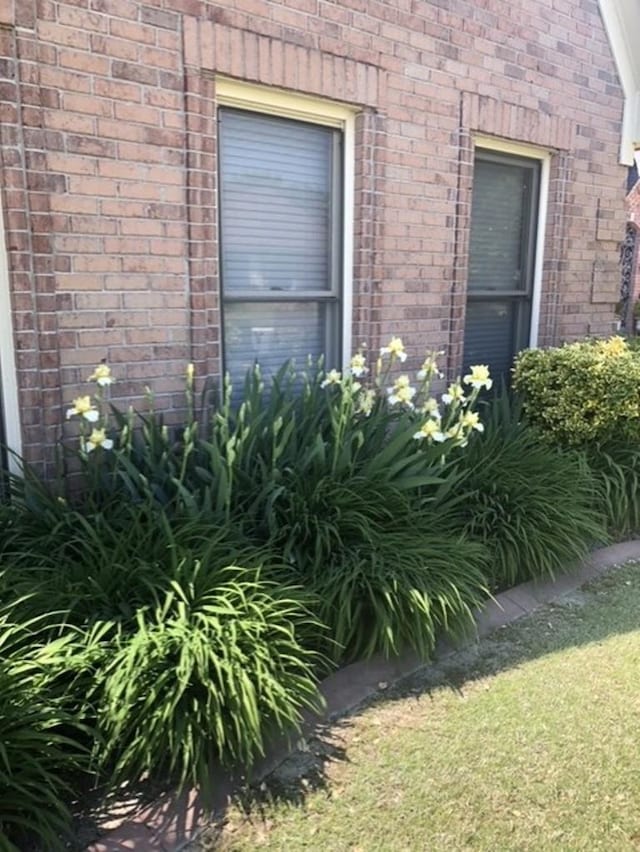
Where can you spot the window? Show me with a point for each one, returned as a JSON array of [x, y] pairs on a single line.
[[9, 416], [502, 259], [282, 246]]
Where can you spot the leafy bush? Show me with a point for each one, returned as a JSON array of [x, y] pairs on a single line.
[[398, 589], [586, 392], [179, 657], [534, 506], [386, 575], [230, 465], [315, 486], [616, 466], [212, 667], [41, 739]]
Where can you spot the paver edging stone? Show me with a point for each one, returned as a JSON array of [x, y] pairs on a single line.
[[174, 821]]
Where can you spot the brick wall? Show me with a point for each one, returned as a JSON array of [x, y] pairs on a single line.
[[108, 168]]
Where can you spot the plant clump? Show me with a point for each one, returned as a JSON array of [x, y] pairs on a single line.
[[582, 393]]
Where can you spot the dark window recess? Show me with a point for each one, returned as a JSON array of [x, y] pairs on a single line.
[[504, 221], [627, 266]]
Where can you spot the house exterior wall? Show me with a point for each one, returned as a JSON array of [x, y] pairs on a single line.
[[108, 169], [633, 209]]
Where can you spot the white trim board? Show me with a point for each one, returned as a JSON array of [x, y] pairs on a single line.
[[8, 376], [622, 24]]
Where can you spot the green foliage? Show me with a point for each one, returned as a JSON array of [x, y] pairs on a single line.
[[207, 574], [399, 590], [180, 657], [586, 392], [534, 506], [386, 575], [208, 670], [616, 466], [41, 739]]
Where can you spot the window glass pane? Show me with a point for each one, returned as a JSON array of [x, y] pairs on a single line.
[[491, 335], [270, 333], [500, 213], [276, 179]]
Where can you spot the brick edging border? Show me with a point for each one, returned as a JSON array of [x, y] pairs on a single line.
[[173, 821]]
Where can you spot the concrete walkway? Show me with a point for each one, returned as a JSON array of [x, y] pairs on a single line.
[[172, 821]]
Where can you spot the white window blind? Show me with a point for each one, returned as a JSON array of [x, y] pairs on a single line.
[[280, 240]]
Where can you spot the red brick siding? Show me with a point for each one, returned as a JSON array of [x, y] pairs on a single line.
[[108, 168]]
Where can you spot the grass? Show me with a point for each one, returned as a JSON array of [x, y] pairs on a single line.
[[526, 742]]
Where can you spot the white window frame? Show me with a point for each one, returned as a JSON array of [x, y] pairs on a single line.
[[8, 377], [285, 104], [543, 155]]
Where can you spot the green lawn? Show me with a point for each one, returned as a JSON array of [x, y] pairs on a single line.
[[531, 740]]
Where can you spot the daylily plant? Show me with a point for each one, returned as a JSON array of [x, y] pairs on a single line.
[[90, 408], [450, 420]]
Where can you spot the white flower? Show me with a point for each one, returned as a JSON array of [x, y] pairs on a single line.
[[478, 377], [395, 348], [98, 438], [471, 420], [430, 406], [366, 402], [430, 430], [102, 375], [455, 393], [429, 368], [401, 393], [358, 366], [83, 406], [333, 377]]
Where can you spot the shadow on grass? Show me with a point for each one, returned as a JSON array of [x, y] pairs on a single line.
[[602, 609]]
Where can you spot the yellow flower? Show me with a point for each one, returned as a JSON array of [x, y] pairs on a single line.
[[395, 348], [333, 377], [478, 377], [614, 346], [366, 401], [430, 406], [358, 365], [401, 393], [190, 373], [455, 393], [471, 420], [101, 375], [429, 367], [98, 438], [430, 430], [83, 406]]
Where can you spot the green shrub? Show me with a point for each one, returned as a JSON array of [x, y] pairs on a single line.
[[586, 392], [315, 486], [99, 566], [227, 464], [402, 590], [386, 575], [534, 506], [616, 466], [179, 657], [41, 739], [209, 670]]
